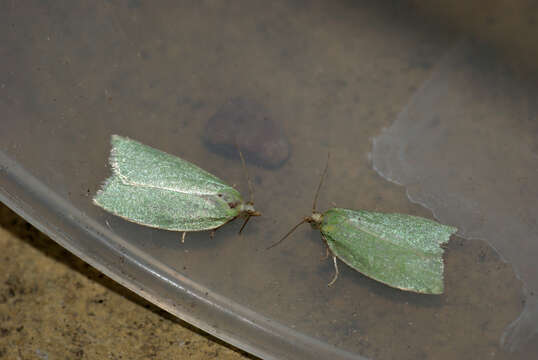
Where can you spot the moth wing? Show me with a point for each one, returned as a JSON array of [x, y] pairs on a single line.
[[163, 209], [139, 164], [402, 251]]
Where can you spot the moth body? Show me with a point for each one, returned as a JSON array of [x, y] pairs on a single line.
[[401, 251], [156, 189]]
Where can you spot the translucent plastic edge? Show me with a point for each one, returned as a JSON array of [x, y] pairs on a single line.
[[189, 301]]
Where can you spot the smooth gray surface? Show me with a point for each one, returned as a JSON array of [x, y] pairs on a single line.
[[333, 74]]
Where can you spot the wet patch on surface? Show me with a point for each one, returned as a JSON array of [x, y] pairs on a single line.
[[244, 123]]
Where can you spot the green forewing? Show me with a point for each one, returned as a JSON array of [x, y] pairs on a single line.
[[399, 250], [163, 208], [156, 189], [140, 164]]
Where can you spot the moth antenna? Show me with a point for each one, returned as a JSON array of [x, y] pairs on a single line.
[[288, 234], [320, 183], [244, 223], [250, 187]]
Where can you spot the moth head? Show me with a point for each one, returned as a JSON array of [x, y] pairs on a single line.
[[315, 219], [247, 210]]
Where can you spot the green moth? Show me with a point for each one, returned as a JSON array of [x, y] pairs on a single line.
[[399, 250], [156, 189]]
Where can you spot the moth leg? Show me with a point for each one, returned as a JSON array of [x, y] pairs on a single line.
[[327, 252], [335, 272], [212, 233], [183, 237]]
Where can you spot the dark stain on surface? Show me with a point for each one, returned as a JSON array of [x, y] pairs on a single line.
[[246, 124]]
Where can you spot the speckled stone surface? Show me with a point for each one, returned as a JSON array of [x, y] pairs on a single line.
[[55, 306]]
